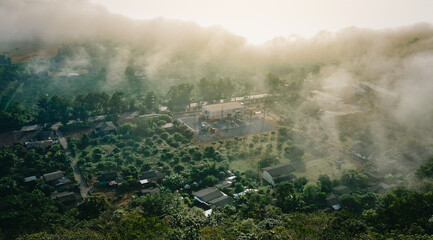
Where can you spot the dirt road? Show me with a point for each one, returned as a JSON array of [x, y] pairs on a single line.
[[84, 188]]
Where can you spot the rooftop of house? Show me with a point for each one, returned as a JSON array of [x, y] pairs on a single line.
[[167, 125], [279, 170], [332, 200], [379, 89], [61, 181], [152, 175], [208, 194], [31, 128], [223, 106], [64, 196], [284, 177], [29, 179], [224, 184], [105, 126], [30, 136], [36, 144], [336, 207], [221, 201], [327, 96], [53, 176]]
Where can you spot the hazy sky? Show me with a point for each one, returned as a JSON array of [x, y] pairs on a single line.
[[261, 20]]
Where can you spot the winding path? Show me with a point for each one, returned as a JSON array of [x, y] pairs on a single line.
[[84, 188]]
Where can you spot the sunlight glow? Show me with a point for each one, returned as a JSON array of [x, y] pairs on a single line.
[[260, 21]]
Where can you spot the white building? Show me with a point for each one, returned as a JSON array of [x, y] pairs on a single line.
[[222, 110]]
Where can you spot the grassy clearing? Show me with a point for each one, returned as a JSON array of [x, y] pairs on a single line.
[[324, 152]]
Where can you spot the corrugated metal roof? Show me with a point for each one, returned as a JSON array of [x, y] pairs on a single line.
[[53, 176], [279, 170], [327, 96], [224, 106], [208, 194]]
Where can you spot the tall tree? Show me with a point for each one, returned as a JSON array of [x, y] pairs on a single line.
[[93, 206], [150, 101], [206, 89], [53, 109], [79, 108], [117, 102], [273, 83], [179, 96], [14, 117]]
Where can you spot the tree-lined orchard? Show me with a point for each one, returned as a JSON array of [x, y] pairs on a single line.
[[144, 145]]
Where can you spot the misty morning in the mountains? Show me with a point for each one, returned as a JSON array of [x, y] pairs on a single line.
[[201, 119]]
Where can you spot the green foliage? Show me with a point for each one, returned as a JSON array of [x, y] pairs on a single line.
[[161, 204], [14, 117], [117, 102], [344, 225], [299, 183], [325, 183], [209, 152], [294, 153], [351, 202], [211, 90], [210, 180], [173, 182], [129, 72], [284, 134], [179, 96], [274, 83], [268, 160], [311, 109], [354, 179], [238, 187], [133, 226], [312, 193], [150, 101], [77, 234], [283, 190], [93, 206], [53, 109], [425, 170], [400, 212]]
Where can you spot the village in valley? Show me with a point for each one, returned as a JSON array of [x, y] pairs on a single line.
[[116, 127], [232, 129]]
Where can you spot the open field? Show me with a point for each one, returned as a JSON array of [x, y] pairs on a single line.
[[226, 130]]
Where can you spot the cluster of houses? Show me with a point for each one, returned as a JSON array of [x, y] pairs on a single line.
[[212, 196], [147, 181], [208, 197], [31, 136], [61, 185], [373, 185], [284, 173], [333, 200]]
